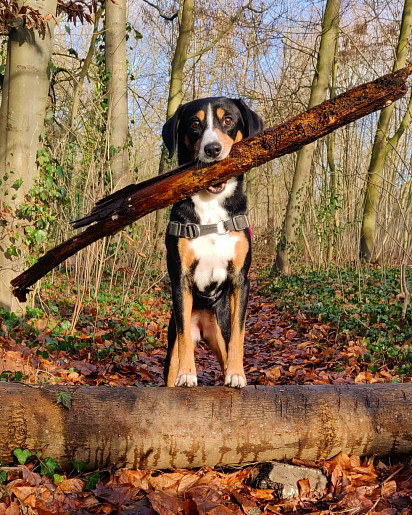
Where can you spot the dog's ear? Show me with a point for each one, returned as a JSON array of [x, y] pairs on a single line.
[[253, 122], [169, 131]]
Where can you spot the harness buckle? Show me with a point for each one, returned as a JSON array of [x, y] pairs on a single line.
[[240, 222], [174, 228], [192, 231], [221, 228]]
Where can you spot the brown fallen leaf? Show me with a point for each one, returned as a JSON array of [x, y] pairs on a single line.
[[31, 477], [246, 504], [258, 493], [355, 502], [137, 478], [71, 486], [164, 503], [166, 481], [304, 488], [388, 489]]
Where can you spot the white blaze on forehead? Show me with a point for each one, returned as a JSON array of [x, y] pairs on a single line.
[[211, 136], [209, 122]]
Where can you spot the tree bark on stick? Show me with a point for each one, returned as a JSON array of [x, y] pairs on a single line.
[[128, 205], [183, 427]]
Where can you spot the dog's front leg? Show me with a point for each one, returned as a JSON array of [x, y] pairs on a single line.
[[182, 308], [234, 374]]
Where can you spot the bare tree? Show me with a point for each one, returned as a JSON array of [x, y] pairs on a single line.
[[381, 145], [320, 83]]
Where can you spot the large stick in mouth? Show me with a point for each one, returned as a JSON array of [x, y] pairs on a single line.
[[124, 207]]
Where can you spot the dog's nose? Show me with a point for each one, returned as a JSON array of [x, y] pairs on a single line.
[[213, 149]]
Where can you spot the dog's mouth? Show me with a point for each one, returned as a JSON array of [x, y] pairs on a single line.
[[216, 188]]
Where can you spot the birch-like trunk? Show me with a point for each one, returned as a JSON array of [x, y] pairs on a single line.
[[381, 147], [117, 122], [320, 84], [22, 112]]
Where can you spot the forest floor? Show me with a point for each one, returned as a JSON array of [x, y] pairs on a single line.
[[288, 341]]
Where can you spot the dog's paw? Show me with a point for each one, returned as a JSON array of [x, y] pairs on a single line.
[[186, 380], [235, 380]]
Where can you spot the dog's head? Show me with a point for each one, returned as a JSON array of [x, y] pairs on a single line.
[[206, 129]]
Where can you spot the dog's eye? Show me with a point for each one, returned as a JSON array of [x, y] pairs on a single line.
[[227, 120], [195, 124]]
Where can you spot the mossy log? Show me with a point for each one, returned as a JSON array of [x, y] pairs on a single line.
[[179, 427]]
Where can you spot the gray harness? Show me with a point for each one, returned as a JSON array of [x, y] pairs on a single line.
[[191, 231]]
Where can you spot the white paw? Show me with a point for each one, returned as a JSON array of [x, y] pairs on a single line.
[[235, 381], [186, 380]]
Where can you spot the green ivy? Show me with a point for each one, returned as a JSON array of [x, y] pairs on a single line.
[[362, 303], [46, 196]]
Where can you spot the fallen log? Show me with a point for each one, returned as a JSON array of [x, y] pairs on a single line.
[[180, 427], [124, 207]]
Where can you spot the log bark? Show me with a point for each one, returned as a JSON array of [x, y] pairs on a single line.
[[179, 427], [128, 205]]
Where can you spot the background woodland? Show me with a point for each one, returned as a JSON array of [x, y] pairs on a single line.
[[266, 54], [85, 89]]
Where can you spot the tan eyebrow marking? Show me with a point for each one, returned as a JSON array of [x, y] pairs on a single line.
[[220, 113], [201, 115]]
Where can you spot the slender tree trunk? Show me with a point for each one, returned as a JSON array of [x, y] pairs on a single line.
[[333, 188], [175, 90], [84, 70], [22, 113], [177, 67], [380, 147], [117, 122], [330, 32]]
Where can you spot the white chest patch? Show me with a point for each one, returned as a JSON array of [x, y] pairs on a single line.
[[213, 252]]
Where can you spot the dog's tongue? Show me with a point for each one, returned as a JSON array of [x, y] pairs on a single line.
[[217, 188]]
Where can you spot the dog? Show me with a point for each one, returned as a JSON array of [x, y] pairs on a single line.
[[208, 241]]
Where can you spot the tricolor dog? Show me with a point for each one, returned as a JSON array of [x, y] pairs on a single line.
[[208, 244]]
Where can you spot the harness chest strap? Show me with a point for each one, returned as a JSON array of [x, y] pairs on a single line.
[[189, 230]]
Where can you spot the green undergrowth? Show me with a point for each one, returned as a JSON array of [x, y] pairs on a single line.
[[362, 303], [106, 326]]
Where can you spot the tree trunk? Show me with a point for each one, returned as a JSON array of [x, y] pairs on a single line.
[[176, 427], [22, 113], [117, 117], [175, 90], [380, 147], [78, 84], [124, 207], [333, 183], [330, 32], [180, 57]]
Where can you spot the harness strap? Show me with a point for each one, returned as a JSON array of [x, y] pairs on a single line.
[[191, 231]]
